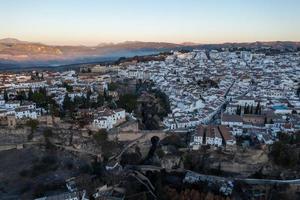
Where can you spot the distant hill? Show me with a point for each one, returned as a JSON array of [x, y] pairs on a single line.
[[279, 45], [21, 53], [14, 49], [11, 41]]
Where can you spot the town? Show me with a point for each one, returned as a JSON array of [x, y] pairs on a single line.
[[228, 118]]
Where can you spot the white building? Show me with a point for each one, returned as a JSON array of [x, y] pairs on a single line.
[[107, 119]]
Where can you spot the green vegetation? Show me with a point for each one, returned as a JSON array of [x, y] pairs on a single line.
[[21, 96], [81, 103], [48, 133], [41, 99], [44, 165], [33, 124], [239, 110], [107, 146], [113, 86], [284, 152], [100, 136], [5, 95], [68, 87], [41, 189], [174, 140], [100, 101], [164, 103], [250, 109], [298, 90], [128, 102], [160, 153]]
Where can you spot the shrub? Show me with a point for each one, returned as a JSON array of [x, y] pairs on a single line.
[[33, 124], [100, 136]]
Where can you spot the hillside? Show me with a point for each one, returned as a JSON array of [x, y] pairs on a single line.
[[22, 53]]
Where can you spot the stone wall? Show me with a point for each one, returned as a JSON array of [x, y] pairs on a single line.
[[18, 131], [143, 135], [9, 147]]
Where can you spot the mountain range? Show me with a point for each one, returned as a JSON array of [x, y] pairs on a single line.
[[16, 52]]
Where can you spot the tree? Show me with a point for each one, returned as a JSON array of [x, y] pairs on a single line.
[[100, 100], [87, 100], [67, 103], [48, 133], [21, 96], [33, 124], [54, 109], [266, 120], [40, 98], [298, 91], [100, 136], [245, 109], [128, 102], [5, 95], [112, 86], [239, 110], [251, 109], [284, 155], [43, 91], [257, 108], [68, 87], [30, 94]]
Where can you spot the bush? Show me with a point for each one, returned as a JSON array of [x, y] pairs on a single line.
[[85, 169], [128, 102], [48, 133], [112, 86], [160, 153], [49, 160], [173, 140], [69, 165], [24, 173], [30, 136], [33, 124], [44, 165], [100, 136], [41, 189], [284, 155], [130, 159]]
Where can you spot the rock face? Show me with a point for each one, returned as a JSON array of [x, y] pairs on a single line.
[[171, 162]]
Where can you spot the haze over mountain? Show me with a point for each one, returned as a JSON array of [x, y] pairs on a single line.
[[16, 52], [15, 49]]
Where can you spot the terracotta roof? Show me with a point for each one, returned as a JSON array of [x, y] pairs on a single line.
[[225, 131], [232, 118], [200, 131]]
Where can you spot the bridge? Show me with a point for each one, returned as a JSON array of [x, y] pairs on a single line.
[[205, 177]]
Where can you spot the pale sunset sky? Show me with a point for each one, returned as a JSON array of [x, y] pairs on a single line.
[[90, 22]]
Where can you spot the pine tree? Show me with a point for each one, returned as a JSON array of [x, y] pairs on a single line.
[[100, 100], [30, 94], [257, 108], [239, 110], [266, 121], [5, 95], [67, 102], [298, 91], [245, 109]]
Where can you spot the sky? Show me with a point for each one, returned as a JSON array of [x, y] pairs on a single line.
[[90, 22]]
